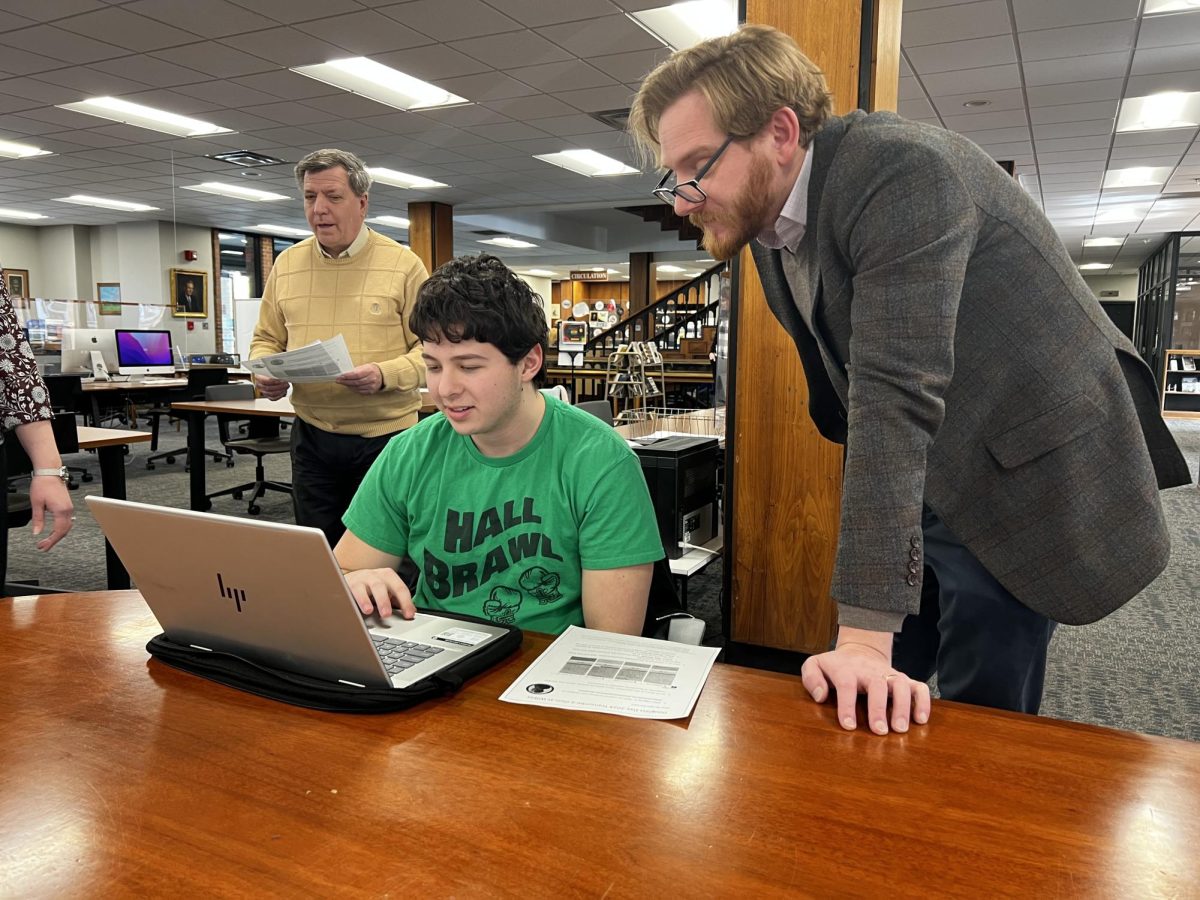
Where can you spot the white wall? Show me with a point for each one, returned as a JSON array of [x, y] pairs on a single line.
[[541, 287], [20, 249], [1125, 285]]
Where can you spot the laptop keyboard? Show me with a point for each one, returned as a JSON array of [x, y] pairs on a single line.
[[398, 656]]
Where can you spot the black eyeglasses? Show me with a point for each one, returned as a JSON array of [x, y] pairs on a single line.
[[688, 190]]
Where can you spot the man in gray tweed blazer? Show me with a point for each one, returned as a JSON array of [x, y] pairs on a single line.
[[1000, 432]]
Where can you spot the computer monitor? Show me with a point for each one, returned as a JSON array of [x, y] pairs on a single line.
[[78, 344], [145, 353]]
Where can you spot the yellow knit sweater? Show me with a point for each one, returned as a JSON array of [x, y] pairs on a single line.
[[367, 299]]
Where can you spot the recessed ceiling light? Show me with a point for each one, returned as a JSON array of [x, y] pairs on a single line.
[[105, 203], [1158, 7], [1095, 266], [393, 221], [234, 190], [20, 214], [682, 25], [507, 242], [403, 179], [1170, 109], [587, 162], [541, 273], [13, 150], [285, 230], [976, 104], [145, 117], [668, 268], [1137, 176], [380, 83], [1103, 242]]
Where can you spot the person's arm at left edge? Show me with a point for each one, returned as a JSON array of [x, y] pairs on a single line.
[[405, 372], [615, 599]]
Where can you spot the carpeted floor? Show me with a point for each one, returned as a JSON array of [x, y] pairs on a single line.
[[1137, 670]]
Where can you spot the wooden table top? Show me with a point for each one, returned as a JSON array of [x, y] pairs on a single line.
[[259, 406], [122, 777], [90, 438]]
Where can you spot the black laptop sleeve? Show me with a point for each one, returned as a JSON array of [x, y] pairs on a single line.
[[315, 693]]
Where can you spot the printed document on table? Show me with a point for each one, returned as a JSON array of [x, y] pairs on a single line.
[[618, 674], [321, 361]]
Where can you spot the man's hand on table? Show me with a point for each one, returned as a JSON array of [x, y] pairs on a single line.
[[862, 663]]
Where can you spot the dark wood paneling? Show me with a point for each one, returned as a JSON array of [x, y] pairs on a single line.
[[431, 232]]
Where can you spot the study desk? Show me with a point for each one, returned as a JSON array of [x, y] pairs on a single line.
[[197, 410], [93, 391], [138, 780], [109, 444]]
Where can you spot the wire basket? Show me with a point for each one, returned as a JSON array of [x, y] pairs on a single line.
[[672, 420]]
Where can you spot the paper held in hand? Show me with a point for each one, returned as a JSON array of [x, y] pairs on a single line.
[[320, 361], [617, 674]]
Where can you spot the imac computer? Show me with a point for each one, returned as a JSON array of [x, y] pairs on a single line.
[[89, 351], [142, 353]]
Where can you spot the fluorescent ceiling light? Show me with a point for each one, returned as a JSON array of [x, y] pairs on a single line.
[[145, 117], [1137, 176], [20, 214], [13, 150], [394, 221], [663, 268], [231, 237], [380, 83], [682, 25], [507, 242], [1096, 266], [587, 162], [232, 253], [105, 203], [541, 273], [1170, 109], [1103, 242], [234, 190], [403, 179], [1158, 7], [284, 230]]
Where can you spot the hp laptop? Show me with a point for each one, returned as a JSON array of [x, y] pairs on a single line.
[[274, 594]]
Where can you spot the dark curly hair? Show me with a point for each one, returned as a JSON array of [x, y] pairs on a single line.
[[478, 298]]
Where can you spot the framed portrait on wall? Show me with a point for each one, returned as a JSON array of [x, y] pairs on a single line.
[[108, 295], [17, 282], [189, 294]]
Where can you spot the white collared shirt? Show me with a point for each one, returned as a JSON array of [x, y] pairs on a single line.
[[359, 243], [788, 229]]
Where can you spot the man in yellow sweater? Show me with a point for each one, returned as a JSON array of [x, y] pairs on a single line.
[[346, 280]]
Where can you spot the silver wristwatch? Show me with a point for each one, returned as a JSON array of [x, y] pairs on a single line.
[[60, 473]]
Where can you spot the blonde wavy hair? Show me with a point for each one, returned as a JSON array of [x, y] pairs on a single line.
[[745, 77]]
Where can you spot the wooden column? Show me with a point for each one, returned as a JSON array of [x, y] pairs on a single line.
[[641, 281], [431, 232], [785, 478]]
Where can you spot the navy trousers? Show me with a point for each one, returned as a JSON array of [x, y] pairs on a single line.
[[327, 469], [986, 647]]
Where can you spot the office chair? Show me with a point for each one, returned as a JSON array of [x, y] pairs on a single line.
[[65, 391], [601, 409], [263, 439], [199, 380]]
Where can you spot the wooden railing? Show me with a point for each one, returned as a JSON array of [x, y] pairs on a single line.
[[683, 313]]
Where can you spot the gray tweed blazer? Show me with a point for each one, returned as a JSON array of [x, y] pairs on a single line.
[[951, 344]]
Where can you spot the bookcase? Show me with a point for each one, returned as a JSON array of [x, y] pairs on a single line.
[[1181, 385], [635, 374]]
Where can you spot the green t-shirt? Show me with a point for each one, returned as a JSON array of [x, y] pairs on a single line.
[[507, 538]]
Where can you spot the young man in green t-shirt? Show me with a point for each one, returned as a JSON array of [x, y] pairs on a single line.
[[514, 506]]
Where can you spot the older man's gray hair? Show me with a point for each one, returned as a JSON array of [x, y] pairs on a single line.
[[320, 160]]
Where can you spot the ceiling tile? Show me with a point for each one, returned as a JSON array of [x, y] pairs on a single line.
[[601, 37], [204, 18], [1073, 129], [89, 82], [525, 109], [597, 99], [285, 46], [1079, 92], [1032, 15], [449, 20], [291, 11], [975, 54], [562, 76], [18, 62], [216, 60], [1170, 31], [47, 10], [1078, 40], [364, 34], [149, 70], [486, 86], [226, 93], [988, 78], [965, 124], [1090, 142], [1075, 68], [286, 85], [126, 29], [1141, 85], [534, 13], [915, 109], [47, 40], [432, 63], [997, 101], [630, 67], [955, 23], [514, 48], [1074, 112]]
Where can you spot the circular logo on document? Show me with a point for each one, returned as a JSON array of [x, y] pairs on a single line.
[[539, 688]]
